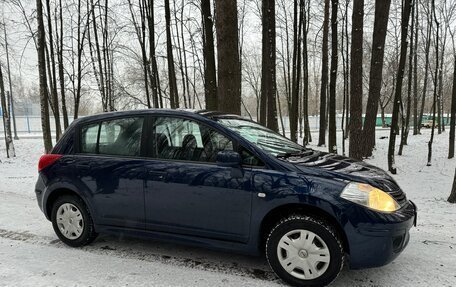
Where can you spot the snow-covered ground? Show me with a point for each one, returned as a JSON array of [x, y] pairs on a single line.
[[31, 254]]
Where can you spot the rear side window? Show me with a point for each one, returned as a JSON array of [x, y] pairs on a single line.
[[116, 137]]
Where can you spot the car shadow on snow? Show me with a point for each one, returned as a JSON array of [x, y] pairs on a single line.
[[210, 260]]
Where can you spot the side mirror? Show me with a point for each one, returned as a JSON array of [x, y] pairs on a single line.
[[228, 159]]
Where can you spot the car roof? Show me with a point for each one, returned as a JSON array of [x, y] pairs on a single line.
[[182, 112]]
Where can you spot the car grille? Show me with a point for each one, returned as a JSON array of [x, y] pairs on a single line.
[[399, 196], [393, 189]]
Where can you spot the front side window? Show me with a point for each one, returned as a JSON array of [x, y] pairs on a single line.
[[183, 139], [116, 137]]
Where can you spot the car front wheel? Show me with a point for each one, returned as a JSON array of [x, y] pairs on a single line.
[[72, 222], [305, 251]]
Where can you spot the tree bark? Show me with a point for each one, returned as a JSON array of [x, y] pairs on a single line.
[[173, 95], [324, 76], [153, 70], [452, 198], [41, 44], [415, 75], [6, 119], [229, 70], [426, 71], [453, 116], [305, 95], [12, 114], [210, 76], [53, 76], [268, 66], [61, 68], [332, 139], [436, 77], [382, 8], [399, 80], [406, 123], [296, 73], [356, 81]]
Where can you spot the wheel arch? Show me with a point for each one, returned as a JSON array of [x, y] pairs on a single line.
[[56, 193], [274, 215]]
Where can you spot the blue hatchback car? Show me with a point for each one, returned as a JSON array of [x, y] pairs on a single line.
[[220, 181]]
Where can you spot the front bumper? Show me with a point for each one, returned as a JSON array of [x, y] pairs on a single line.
[[377, 239]]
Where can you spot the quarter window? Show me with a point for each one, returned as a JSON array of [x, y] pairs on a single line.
[[89, 136]]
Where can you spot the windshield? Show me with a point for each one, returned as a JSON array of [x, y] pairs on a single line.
[[269, 141]]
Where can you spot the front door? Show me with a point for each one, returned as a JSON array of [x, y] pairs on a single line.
[[186, 192]]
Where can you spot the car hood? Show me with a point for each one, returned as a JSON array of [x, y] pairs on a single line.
[[333, 166]]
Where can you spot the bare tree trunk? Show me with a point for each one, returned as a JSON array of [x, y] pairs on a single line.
[[6, 119], [452, 198], [153, 70], [41, 45], [53, 75], [398, 90], [324, 76], [173, 96], [426, 70], [382, 8], [436, 75], [229, 77], [440, 116], [356, 80], [294, 108], [279, 109], [453, 116], [305, 96], [332, 139], [80, 51], [210, 76], [406, 123], [100, 71], [10, 82], [268, 66], [345, 75], [140, 29], [415, 75], [60, 66]]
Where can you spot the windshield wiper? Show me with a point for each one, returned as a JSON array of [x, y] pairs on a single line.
[[303, 152]]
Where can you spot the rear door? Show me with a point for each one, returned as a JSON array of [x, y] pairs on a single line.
[[110, 168], [186, 191]]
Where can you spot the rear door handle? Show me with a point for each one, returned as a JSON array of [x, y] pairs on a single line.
[[82, 167], [68, 161]]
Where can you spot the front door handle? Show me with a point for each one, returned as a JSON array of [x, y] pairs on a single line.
[[157, 175]]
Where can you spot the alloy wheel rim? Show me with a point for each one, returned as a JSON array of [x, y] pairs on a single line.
[[70, 221], [303, 254]]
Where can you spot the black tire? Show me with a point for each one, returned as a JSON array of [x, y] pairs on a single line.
[[320, 228], [88, 233]]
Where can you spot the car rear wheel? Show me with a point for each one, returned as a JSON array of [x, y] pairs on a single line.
[[72, 222], [305, 251]]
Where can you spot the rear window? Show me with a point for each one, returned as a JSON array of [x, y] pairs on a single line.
[[115, 137]]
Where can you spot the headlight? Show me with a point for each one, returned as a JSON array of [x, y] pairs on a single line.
[[369, 196]]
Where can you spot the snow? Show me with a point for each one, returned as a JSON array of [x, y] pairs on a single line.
[[31, 254]]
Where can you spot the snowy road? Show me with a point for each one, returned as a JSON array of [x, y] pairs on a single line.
[[31, 254]]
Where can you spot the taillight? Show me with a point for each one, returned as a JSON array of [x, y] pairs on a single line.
[[47, 160]]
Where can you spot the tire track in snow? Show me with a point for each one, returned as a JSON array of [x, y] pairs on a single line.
[[101, 248]]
